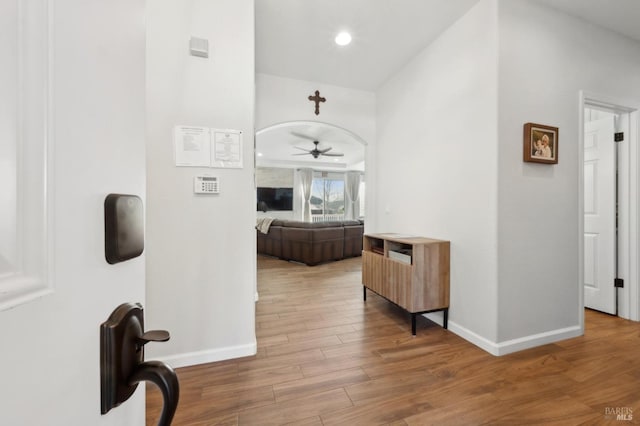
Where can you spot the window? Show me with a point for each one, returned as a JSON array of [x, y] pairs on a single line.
[[329, 202], [327, 198]]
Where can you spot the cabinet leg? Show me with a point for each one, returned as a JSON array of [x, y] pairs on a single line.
[[446, 318], [413, 324], [364, 293]]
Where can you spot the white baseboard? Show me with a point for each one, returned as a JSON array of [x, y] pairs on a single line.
[[437, 317], [497, 349], [474, 338], [539, 339], [509, 346], [210, 355]]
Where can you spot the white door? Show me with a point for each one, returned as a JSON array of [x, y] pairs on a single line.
[[94, 142], [599, 215]]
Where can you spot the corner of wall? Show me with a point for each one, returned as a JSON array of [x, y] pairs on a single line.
[[514, 345]]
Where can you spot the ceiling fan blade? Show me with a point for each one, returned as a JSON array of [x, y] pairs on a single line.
[[322, 151], [332, 154], [303, 136], [303, 149]]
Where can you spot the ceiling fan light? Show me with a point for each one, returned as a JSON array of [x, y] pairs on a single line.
[[343, 38]]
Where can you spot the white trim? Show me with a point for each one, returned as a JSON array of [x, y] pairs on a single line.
[[624, 185], [629, 296], [437, 317], [210, 355], [31, 276], [476, 339], [580, 282], [539, 339], [515, 345], [306, 122], [634, 225]]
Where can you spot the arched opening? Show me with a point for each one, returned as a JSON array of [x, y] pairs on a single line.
[[327, 158]]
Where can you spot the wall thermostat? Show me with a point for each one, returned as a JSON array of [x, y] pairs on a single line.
[[206, 185]]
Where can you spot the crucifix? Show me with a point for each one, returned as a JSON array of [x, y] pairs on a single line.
[[317, 99]]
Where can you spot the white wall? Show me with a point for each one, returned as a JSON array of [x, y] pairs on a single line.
[[275, 177], [201, 249], [50, 348], [546, 58], [437, 161], [280, 99], [277, 214]]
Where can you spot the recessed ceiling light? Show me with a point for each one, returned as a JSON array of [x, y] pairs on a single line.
[[259, 154], [343, 38]]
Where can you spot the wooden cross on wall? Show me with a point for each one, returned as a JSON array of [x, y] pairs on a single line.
[[317, 99]]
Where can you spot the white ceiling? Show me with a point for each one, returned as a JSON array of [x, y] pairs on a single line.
[[294, 38], [621, 16], [276, 146]]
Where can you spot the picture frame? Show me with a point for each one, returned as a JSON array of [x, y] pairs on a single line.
[[540, 143]]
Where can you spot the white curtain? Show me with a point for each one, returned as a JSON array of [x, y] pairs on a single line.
[[352, 191], [306, 179]]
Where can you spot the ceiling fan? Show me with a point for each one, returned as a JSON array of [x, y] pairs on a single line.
[[315, 152]]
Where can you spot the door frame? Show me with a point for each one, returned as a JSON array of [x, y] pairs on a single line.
[[628, 225]]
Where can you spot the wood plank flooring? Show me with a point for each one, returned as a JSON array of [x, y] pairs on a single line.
[[325, 357]]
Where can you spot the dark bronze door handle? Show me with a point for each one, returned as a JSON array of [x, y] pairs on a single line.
[[122, 364], [165, 378]]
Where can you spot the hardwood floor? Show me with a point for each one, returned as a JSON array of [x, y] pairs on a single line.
[[325, 357]]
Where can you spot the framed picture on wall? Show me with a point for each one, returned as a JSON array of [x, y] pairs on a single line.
[[540, 143]]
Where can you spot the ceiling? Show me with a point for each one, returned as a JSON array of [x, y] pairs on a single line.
[[294, 39], [621, 16], [279, 146]]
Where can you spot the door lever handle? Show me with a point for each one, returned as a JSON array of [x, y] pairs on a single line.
[[166, 380], [153, 336], [122, 364]]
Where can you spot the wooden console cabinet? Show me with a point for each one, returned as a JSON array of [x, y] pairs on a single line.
[[412, 272]]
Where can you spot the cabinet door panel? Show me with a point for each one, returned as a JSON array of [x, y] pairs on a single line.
[[372, 271], [398, 283]]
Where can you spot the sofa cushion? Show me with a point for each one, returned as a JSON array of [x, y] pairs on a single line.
[[352, 223], [312, 245], [271, 242], [310, 225], [312, 242], [353, 240]]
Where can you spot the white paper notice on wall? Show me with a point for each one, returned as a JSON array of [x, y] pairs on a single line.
[[206, 147], [226, 150], [192, 146]]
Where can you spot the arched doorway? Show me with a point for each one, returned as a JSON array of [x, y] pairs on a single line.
[[283, 149], [335, 155]]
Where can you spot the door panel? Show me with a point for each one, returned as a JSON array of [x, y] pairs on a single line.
[[599, 215], [590, 257], [49, 356]]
